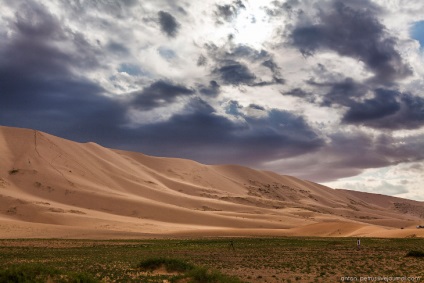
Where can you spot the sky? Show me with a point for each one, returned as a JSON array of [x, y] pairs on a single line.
[[325, 90]]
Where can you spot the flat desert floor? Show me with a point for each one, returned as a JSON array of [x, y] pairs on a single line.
[[282, 259]]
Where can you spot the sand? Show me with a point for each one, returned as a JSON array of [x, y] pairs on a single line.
[[55, 188]]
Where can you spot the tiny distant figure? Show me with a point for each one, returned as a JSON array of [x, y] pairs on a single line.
[[358, 244], [231, 246]]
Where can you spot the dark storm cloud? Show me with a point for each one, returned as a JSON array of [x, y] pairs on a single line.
[[349, 153], [159, 93], [267, 83], [271, 65], [36, 33], [382, 105], [352, 30], [256, 107], [228, 12], [212, 90], [117, 48], [388, 109], [345, 154], [343, 92], [226, 63], [31, 65], [235, 73], [300, 93], [38, 86], [203, 135], [358, 150], [168, 24], [247, 52]]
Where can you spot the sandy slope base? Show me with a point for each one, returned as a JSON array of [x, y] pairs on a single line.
[[12, 230]]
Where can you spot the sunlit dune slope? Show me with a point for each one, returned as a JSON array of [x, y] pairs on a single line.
[[52, 187]]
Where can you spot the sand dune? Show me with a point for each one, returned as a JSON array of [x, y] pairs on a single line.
[[52, 187]]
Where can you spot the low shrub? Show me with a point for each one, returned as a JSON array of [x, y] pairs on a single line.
[[415, 254], [188, 272], [171, 265], [202, 275], [26, 274], [35, 273], [13, 171]]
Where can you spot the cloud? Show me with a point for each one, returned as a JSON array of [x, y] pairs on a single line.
[[376, 187], [212, 90], [382, 105], [355, 31], [204, 135], [235, 73], [388, 109], [168, 24], [348, 153], [33, 68], [298, 92], [278, 8], [243, 65], [271, 65], [343, 92], [159, 94], [385, 109], [228, 12]]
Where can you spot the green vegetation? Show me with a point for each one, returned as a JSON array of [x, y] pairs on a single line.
[[186, 272], [34, 273], [170, 264], [268, 260], [202, 275]]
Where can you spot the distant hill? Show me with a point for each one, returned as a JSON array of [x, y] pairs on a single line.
[[52, 187]]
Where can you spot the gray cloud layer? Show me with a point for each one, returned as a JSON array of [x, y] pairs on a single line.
[[219, 101], [352, 30], [168, 24]]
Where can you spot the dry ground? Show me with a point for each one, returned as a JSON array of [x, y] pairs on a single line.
[[283, 259]]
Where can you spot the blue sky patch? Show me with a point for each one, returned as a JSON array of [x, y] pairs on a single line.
[[131, 69], [417, 32]]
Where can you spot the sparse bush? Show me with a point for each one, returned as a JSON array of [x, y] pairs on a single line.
[[202, 275], [26, 274], [415, 254], [81, 278], [171, 265], [13, 171], [34, 273], [189, 272]]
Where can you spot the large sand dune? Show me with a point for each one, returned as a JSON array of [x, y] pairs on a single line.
[[51, 187]]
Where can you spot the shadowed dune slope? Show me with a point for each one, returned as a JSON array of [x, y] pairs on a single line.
[[52, 187]]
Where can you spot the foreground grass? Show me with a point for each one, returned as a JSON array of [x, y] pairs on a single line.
[[34, 273], [207, 260]]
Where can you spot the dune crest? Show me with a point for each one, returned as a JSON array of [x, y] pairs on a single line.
[[52, 187]]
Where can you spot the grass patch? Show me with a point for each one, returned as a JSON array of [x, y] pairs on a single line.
[[415, 254], [36, 273], [170, 264], [188, 272], [202, 275]]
